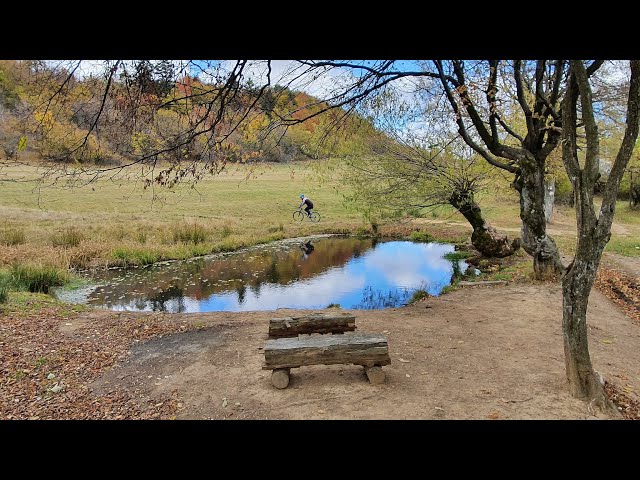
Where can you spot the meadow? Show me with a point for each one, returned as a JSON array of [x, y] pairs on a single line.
[[114, 221]]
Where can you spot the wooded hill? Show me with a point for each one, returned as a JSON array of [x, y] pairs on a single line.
[[50, 114]]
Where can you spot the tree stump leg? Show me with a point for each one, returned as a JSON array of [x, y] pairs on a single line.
[[375, 374], [280, 377]]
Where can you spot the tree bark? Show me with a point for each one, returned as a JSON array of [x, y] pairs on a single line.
[[535, 241], [484, 238], [576, 286], [593, 232], [549, 199]]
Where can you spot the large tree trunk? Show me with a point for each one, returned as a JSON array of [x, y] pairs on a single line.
[[593, 232], [484, 238], [576, 286], [535, 241]]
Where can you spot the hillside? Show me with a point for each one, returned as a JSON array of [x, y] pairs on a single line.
[[155, 113]]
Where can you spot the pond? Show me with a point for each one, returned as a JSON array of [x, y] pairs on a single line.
[[353, 273]]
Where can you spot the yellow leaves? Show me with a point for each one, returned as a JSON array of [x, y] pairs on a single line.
[[22, 143], [45, 119]]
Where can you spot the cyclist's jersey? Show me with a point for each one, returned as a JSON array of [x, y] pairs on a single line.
[[308, 202]]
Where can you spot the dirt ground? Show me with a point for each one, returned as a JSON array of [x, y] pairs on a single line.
[[477, 353]]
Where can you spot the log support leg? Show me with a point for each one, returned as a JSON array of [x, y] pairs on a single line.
[[280, 377], [375, 374]]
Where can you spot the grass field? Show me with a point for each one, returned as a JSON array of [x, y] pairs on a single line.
[[114, 221]]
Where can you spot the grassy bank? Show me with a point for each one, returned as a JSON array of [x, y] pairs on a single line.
[[115, 222]]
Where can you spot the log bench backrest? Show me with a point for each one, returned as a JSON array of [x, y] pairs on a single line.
[[308, 324]]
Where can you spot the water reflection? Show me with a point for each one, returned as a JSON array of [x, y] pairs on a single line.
[[354, 273]]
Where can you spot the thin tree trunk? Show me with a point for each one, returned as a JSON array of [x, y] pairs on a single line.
[[549, 198]]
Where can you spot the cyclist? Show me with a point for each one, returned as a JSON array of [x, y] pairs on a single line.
[[308, 204]]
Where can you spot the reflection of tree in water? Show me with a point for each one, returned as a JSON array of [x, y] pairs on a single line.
[[242, 290], [201, 278], [159, 300], [375, 299], [272, 274]]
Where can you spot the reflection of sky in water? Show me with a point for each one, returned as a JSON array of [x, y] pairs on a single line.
[[384, 275]]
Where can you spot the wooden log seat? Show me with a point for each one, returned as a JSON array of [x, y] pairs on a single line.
[[308, 324], [368, 350]]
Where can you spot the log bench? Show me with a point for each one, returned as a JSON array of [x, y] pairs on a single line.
[[368, 350], [314, 323]]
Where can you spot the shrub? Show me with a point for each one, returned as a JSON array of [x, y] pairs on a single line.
[[38, 278], [418, 236]]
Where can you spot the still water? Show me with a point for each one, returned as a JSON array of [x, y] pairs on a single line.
[[350, 272]]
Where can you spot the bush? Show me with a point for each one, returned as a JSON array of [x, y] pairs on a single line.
[[418, 236], [37, 278], [12, 236]]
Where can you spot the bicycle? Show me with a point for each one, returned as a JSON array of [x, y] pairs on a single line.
[[300, 215]]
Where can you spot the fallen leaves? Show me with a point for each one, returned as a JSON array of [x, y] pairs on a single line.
[[46, 373], [622, 289], [628, 407]]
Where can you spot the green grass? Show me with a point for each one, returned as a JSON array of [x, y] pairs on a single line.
[[190, 232], [27, 304], [5, 286], [115, 222], [136, 256], [449, 288], [421, 237], [12, 236], [69, 237], [457, 255], [37, 278], [629, 247], [418, 295]]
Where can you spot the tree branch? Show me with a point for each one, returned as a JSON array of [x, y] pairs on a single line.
[[592, 166], [462, 129]]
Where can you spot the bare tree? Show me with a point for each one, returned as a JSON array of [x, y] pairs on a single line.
[[146, 112], [594, 230], [413, 173], [481, 97]]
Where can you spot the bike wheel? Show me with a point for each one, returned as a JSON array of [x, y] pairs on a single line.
[[298, 215], [315, 217]]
